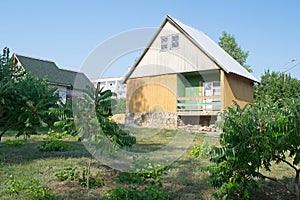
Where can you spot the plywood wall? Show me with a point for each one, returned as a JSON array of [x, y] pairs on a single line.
[[236, 88], [151, 94], [186, 58]]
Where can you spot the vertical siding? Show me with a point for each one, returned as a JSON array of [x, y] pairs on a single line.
[[186, 58], [151, 94], [237, 88]]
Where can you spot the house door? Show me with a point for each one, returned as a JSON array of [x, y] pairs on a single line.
[[207, 92]]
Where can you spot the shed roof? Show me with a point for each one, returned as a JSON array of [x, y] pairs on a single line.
[[205, 44]]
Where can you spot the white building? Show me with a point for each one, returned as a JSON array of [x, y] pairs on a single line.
[[115, 84]]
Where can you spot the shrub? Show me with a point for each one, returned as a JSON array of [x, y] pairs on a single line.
[[152, 191], [31, 187], [53, 145], [72, 174], [15, 143]]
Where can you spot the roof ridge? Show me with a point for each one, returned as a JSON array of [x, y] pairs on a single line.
[[34, 58], [71, 70], [176, 20]]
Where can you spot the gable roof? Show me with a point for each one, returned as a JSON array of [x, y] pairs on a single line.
[[44, 68], [78, 80], [205, 44]]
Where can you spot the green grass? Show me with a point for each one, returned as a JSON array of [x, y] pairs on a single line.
[[182, 180]]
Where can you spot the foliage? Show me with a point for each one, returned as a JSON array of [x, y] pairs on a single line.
[[276, 85], [253, 137], [56, 135], [152, 191], [72, 174], [53, 145], [24, 99], [228, 43], [65, 119], [113, 131], [119, 106], [147, 169], [201, 150], [141, 171], [31, 187], [15, 143]]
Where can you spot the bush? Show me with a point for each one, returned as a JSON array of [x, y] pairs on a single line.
[[53, 145], [15, 143], [31, 187], [56, 135], [152, 191], [72, 174]]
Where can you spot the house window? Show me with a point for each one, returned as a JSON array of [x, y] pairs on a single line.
[[164, 43], [169, 42], [175, 41]]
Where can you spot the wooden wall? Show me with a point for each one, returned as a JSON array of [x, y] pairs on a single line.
[[186, 58], [236, 88], [151, 94]]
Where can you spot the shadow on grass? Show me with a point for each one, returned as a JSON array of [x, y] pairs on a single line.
[[30, 152], [283, 190]]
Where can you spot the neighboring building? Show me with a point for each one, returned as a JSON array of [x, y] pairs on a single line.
[[70, 84], [115, 84], [183, 75]]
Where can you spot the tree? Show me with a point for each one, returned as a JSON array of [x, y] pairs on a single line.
[[253, 138], [276, 85], [24, 100], [228, 43]]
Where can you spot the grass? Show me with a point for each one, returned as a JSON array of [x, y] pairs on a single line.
[[182, 180]]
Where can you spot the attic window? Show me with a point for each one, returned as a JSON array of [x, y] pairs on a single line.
[[169, 42], [164, 43], [175, 41]]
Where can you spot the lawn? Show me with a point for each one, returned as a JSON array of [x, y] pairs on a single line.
[[183, 179]]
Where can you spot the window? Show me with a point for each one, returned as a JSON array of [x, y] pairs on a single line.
[[164, 43], [169, 42], [175, 41]]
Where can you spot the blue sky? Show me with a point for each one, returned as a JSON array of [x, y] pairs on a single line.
[[68, 31]]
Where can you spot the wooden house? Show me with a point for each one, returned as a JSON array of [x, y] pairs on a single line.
[[183, 75], [69, 84]]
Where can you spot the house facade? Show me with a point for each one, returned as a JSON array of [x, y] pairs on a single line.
[[69, 84], [184, 76], [114, 84]]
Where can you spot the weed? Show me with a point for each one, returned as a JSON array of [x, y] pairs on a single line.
[[53, 145], [151, 191], [72, 174], [15, 143], [56, 135], [30, 187]]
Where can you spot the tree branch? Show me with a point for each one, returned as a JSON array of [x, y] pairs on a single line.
[[287, 162]]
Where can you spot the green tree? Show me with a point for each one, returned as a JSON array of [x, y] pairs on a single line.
[[24, 100], [253, 138], [277, 85], [228, 43]]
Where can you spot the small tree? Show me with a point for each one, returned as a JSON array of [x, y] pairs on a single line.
[[277, 85], [228, 43], [253, 137], [24, 100]]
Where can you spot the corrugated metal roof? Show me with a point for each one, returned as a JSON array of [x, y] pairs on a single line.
[[213, 50], [207, 45]]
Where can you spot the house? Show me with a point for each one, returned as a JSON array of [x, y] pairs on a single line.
[[115, 84], [183, 76], [69, 84]]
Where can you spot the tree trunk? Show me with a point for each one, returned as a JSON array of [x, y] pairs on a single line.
[[2, 133], [297, 185], [88, 173]]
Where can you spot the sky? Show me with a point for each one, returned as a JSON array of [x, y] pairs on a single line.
[[67, 32]]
